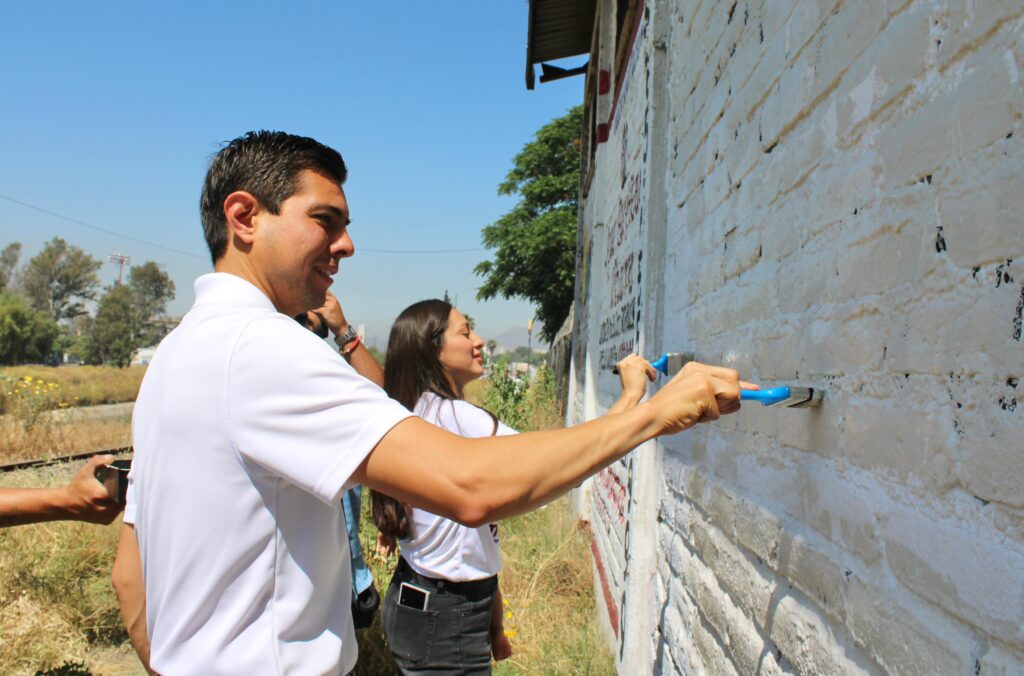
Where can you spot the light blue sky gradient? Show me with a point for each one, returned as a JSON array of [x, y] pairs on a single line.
[[110, 111]]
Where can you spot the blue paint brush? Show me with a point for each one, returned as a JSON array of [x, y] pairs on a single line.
[[784, 396]]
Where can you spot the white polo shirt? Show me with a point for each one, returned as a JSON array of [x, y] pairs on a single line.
[[247, 429], [441, 548]]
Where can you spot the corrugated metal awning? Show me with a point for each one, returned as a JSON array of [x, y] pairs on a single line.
[[557, 29]]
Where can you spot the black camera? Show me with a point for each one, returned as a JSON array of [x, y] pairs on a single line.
[[114, 478]]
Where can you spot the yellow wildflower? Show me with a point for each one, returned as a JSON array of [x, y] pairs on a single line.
[[508, 616], [511, 633]]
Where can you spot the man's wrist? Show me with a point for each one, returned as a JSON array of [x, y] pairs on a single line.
[[350, 347], [61, 503], [346, 336]]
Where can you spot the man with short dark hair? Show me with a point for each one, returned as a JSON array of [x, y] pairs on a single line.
[[247, 430]]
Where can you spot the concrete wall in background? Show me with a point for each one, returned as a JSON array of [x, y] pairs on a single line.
[[828, 194]]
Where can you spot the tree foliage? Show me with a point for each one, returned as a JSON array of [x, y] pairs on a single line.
[[152, 289], [128, 317], [535, 242], [111, 336], [26, 335], [526, 355], [8, 263], [54, 286], [59, 279]]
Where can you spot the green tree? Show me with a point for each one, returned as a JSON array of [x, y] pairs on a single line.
[[8, 263], [59, 279], [536, 241], [112, 336], [151, 290], [26, 335], [526, 355]]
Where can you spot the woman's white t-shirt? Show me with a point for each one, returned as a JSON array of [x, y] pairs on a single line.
[[440, 547]]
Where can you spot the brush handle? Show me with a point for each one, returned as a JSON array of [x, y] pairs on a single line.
[[772, 395], [661, 364]]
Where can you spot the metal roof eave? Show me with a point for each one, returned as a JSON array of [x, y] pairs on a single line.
[[557, 29]]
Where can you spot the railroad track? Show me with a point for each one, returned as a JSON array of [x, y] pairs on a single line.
[[46, 462]]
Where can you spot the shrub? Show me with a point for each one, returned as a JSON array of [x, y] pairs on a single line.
[[505, 396], [523, 406], [28, 398], [26, 335]]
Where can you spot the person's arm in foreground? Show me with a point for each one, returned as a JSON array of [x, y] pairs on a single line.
[[131, 593], [477, 481], [83, 499], [360, 358], [634, 372], [501, 648]]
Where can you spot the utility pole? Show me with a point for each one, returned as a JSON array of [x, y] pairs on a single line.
[[529, 344], [122, 261]]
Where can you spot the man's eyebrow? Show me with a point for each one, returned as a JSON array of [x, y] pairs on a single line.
[[334, 211]]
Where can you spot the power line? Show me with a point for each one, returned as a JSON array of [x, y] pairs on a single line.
[[99, 229], [195, 255], [417, 251]]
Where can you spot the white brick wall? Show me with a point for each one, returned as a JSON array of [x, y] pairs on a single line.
[[829, 194]]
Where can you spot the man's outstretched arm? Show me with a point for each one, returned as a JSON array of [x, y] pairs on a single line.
[[476, 481], [83, 499], [131, 592]]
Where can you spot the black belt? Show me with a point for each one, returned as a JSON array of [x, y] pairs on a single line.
[[472, 589]]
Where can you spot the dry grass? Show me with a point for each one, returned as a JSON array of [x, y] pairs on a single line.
[[56, 602], [57, 607], [49, 439], [81, 385], [547, 581]]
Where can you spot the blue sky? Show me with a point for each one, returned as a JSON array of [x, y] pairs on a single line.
[[110, 111]]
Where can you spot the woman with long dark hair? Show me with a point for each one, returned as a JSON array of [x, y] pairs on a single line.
[[443, 609]]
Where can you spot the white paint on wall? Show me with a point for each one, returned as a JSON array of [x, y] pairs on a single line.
[[829, 195]]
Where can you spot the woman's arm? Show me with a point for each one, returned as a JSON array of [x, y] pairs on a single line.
[[634, 372]]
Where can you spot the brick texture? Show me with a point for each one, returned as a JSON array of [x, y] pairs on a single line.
[[831, 194]]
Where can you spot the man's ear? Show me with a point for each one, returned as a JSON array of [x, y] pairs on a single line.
[[240, 209]]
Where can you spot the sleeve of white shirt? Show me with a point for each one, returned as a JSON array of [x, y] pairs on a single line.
[[129, 502], [467, 420], [298, 410]]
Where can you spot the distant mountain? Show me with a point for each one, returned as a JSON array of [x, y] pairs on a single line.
[[516, 336]]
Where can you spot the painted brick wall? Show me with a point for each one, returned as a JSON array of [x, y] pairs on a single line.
[[829, 194]]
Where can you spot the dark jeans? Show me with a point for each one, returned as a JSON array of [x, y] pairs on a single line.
[[452, 636]]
